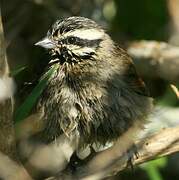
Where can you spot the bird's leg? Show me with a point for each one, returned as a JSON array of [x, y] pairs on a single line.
[[91, 155], [76, 162], [132, 153]]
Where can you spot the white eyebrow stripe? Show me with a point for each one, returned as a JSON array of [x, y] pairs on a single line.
[[83, 51], [89, 34]]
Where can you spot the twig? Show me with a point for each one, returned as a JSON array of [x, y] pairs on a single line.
[[175, 90], [163, 143], [7, 136], [10, 168]]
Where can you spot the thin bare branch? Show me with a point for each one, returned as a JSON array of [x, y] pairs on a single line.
[[175, 90], [10, 170], [7, 137], [10, 167], [164, 142]]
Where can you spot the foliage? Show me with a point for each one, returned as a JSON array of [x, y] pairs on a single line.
[[152, 168]]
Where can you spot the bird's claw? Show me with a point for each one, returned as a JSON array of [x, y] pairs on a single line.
[[132, 154]]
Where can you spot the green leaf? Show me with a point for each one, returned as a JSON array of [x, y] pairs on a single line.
[[152, 168], [24, 110], [17, 71]]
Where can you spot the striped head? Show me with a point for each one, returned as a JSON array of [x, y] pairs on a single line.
[[74, 39]]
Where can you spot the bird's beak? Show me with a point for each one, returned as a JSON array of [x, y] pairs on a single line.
[[46, 43]]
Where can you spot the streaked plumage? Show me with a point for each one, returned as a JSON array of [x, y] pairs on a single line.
[[95, 92]]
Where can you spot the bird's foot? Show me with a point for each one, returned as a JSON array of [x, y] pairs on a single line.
[[76, 162], [132, 154]]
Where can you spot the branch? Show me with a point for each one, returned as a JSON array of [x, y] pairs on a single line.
[[163, 143], [7, 136], [155, 59], [175, 90], [11, 170], [10, 167]]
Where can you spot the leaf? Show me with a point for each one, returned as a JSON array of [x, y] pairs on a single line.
[[17, 71], [152, 168], [24, 110]]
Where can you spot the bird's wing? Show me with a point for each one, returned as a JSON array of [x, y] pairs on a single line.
[[135, 82], [131, 76]]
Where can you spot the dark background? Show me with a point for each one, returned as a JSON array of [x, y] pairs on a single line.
[[27, 21]]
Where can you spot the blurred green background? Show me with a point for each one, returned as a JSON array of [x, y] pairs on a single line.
[[27, 21]]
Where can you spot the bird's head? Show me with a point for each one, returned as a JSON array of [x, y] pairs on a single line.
[[74, 39]]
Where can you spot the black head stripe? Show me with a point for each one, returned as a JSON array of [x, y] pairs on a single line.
[[81, 42], [69, 24]]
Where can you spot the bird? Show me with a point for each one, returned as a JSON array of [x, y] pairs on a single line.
[[94, 95]]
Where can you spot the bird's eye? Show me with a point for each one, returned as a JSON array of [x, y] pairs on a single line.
[[71, 40]]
